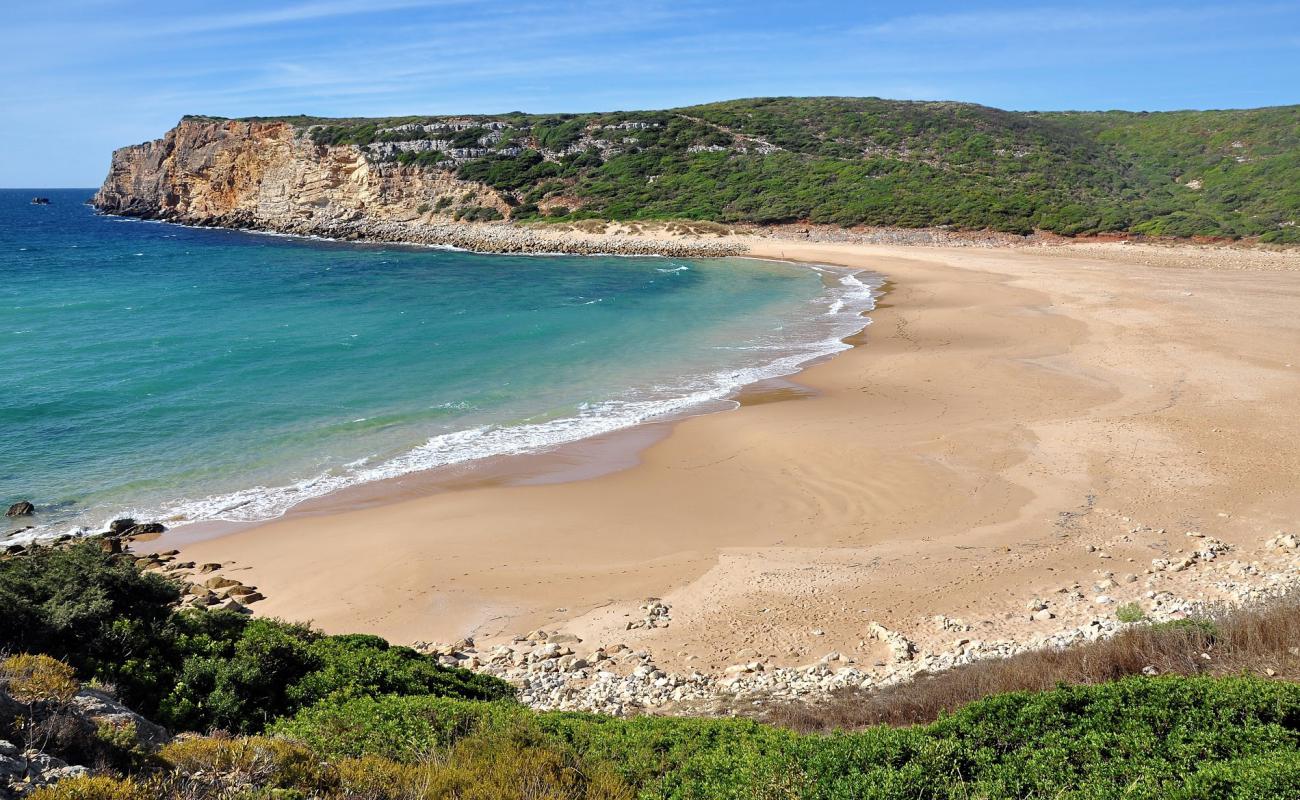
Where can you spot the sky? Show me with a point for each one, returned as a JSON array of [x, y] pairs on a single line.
[[83, 77]]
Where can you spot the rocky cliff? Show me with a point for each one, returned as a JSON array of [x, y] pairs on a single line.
[[267, 175], [271, 176]]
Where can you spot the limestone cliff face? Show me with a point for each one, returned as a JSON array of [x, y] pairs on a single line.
[[268, 176]]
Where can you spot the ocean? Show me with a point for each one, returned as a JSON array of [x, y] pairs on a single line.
[[182, 374]]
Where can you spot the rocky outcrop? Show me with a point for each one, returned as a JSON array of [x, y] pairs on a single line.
[[21, 509], [72, 736], [271, 176]]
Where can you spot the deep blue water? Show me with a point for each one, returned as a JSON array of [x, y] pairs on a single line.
[[180, 373]]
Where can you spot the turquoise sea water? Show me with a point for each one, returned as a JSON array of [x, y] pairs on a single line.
[[174, 373]]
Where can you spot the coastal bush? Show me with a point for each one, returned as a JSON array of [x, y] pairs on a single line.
[[96, 611], [1130, 612], [398, 728], [258, 761], [38, 679], [192, 669], [866, 161], [265, 669], [96, 788], [1140, 737]]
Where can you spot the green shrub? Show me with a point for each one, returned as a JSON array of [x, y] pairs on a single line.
[[195, 670], [1130, 612], [398, 728], [260, 761], [95, 788], [1140, 737], [95, 611], [271, 669]]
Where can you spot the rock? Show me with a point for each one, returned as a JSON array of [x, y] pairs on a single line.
[[21, 509], [236, 606], [1042, 615], [102, 708], [219, 582], [145, 528], [1282, 541], [900, 647], [120, 526], [209, 567]]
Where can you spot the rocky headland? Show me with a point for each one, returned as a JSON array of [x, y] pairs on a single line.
[[270, 176]]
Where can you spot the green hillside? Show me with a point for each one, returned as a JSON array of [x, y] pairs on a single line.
[[866, 161]]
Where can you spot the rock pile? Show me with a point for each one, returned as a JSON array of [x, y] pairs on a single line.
[[89, 713], [22, 772], [214, 591], [559, 671]]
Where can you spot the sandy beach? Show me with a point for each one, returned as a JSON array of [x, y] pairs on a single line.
[[1014, 423]]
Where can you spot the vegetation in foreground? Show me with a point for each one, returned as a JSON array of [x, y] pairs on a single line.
[[867, 161], [344, 717]]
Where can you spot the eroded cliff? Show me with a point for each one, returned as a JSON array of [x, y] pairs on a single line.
[[272, 176], [267, 175]]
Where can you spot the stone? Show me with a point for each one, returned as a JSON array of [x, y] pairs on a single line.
[[219, 582], [111, 545], [209, 567], [145, 528], [22, 508], [120, 526]]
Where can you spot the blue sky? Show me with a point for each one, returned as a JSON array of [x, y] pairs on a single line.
[[85, 76]]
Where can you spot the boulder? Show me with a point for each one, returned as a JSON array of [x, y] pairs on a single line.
[[101, 708], [145, 528], [111, 545], [120, 526], [218, 582], [21, 509]]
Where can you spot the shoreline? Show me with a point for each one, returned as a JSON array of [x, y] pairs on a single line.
[[571, 459], [1024, 429], [1020, 428]]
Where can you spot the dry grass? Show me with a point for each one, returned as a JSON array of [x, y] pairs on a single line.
[[1264, 641]]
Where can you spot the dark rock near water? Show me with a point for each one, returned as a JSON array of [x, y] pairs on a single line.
[[111, 545], [145, 528], [21, 509], [120, 526]]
